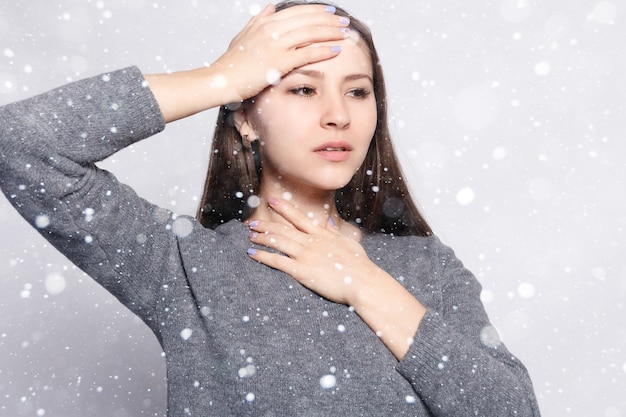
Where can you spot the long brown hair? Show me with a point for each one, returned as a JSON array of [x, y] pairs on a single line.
[[377, 198]]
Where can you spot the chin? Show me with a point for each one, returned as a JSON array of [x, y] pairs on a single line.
[[334, 185], [324, 181], [336, 178]]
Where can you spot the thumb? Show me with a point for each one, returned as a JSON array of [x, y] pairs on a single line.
[[267, 10]]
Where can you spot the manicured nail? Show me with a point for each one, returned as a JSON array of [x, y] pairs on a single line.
[[253, 235], [345, 31], [253, 223], [251, 251], [331, 221], [272, 201], [344, 20], [330, 9], [336, 49]]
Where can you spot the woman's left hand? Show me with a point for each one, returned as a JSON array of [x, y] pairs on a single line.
[[336, 267], [317, 256]]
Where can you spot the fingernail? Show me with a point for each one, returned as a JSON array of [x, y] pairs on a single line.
[[251, 251], [331, 221], [253, 223], [336, 49], [253, 235], [345, 31], [272, 201], [344, 20], [330, 9]]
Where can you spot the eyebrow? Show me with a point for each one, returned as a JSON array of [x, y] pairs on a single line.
[[320, 74]]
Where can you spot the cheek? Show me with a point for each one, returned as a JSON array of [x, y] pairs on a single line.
[[369, 123], [277, 136], [282, 133], [272, 121]]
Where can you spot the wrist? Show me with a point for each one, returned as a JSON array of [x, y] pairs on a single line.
[[214, 86], [391, 311], [363, 291], [184, 93]]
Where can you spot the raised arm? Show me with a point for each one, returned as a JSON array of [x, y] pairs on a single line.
[[49, 145]]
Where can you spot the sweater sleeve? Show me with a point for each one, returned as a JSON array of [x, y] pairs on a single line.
[[457, 363], [48, 148]]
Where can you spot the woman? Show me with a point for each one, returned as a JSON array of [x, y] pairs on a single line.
[[310, 284]]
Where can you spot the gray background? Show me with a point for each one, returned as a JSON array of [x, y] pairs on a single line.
[[509, 117]]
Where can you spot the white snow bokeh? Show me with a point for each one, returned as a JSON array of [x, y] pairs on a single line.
[[328, 381], [508, 117], [55, 283], [186, 333]]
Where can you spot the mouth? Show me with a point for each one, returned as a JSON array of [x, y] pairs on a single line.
[[334, 146], [334, 151]]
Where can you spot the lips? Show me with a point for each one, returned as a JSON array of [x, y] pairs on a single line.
[[334, 146], [334, 151]]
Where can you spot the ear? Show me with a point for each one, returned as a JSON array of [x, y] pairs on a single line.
[[243, 125]]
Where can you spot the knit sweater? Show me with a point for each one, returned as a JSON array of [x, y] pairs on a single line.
[[241, 338]]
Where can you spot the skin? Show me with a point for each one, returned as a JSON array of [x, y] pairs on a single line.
[[270, 41], [322, 100], [312, 106]]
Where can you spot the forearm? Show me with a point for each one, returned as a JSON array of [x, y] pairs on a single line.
[[389, 310], [457, 375], [185, 93]]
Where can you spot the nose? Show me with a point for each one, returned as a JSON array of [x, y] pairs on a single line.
[[335, 112]]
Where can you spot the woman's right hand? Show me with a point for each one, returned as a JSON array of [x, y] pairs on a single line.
[[270, 45]]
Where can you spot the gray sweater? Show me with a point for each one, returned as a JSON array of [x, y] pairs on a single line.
[[239, 337]]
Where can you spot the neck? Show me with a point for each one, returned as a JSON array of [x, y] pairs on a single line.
[[319, 205]]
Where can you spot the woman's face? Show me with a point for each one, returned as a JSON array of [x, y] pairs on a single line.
[[316, 125]]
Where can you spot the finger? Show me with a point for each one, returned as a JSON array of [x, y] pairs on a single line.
[[285, 241], [311, 54], [306, 19], [279, 230], [267, 11], [272, 227], [313, 34], [297, 31], [305, 9], [301, 23], [273, 260], [288, 20], [296, 217]]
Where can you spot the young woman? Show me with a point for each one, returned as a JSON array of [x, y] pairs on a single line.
[[309, 283]]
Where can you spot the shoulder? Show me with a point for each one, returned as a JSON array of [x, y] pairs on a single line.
[[421, 252], [192, 234], [381, 242]]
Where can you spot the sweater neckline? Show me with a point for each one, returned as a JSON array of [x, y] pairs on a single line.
[[235, 226]]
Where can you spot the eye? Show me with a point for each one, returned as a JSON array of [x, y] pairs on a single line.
[[359, 93], [303, 90]]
